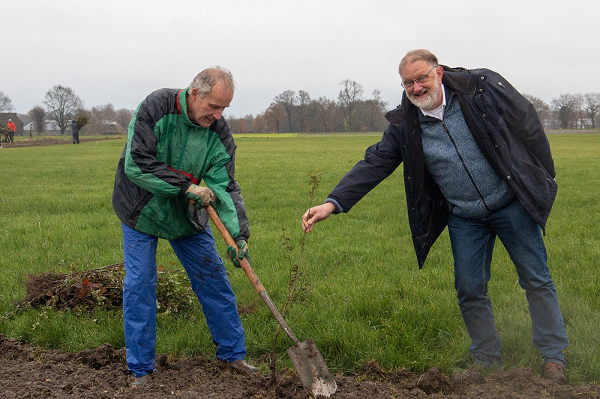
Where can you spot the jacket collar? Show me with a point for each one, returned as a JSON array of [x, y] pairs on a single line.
[[182, 106], [450, 94]]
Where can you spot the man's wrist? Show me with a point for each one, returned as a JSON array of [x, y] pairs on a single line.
[[337, 208]]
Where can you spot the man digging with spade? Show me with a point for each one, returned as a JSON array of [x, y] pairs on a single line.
[[176, 139]]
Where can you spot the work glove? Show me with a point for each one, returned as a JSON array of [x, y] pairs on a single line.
[[235, 255], [201, 195]]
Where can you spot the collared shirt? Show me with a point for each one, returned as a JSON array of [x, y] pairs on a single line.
[[437, 113]]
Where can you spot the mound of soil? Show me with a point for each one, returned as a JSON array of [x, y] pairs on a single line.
[[51, 141], [27, 372], [103, 288]]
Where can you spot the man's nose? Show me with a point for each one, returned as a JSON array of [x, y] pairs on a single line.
[[217, 115], [417, 86]]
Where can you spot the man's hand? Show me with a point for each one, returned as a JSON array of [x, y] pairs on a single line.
[[235, 255], [315, 215], [201, 196]]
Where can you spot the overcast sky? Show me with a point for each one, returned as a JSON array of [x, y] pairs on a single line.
[[118, 51]]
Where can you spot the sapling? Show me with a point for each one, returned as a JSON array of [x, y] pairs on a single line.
[[298, 287]]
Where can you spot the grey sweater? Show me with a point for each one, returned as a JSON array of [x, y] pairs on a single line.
[[452, 157]]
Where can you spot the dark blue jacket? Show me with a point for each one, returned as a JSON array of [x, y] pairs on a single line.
[[506, 128]]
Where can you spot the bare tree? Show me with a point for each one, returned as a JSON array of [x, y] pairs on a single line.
[[564, 106], [101, 118], [259, 124], [592, 106], [243, 126], [325, 111], [348, 101], [38, 114], [249, 119], [123, 117], [303, 109], [374, 111], [5, 103], [233, 122], [62, 104], [287, 100], [274, 116], [579, 109], [237, 125], [541, 107]]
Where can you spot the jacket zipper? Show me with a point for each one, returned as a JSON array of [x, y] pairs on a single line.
[[182, 151], [465, 167]]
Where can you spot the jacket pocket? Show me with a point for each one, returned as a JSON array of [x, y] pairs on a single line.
[[539, 184]]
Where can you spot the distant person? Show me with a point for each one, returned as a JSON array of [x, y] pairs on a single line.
[[176, 139], [11, 130], [476, 159], [75, 131], [4, 135]]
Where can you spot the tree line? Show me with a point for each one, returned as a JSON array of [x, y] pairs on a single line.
[[293, 111], [350, 112], [62, 105], [298, 112], [568, 111]]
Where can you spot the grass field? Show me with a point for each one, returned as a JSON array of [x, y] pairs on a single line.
[[369, 299]]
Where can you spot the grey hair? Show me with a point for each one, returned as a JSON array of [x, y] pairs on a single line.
[[206, 79], [418, 55]]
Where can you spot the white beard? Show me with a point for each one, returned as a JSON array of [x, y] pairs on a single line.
[[426, 102]]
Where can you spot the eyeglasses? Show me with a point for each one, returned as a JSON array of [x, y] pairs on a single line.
[[407, 84]]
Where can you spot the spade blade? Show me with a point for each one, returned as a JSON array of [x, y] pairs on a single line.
[[311, 368]]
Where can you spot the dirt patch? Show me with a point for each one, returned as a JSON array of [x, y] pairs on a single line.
[[27, 372], [40, 142], [103, 288]]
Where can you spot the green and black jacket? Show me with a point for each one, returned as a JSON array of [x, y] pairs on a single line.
[[164, 155]]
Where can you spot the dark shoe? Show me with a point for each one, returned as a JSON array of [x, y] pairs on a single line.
[[242, 367], [555, 372], [139, 382]]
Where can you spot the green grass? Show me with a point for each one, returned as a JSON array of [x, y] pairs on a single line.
[[370, 300]]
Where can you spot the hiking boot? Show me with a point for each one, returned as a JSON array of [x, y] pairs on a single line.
[[554, 372], [242, 367], [139, 382]]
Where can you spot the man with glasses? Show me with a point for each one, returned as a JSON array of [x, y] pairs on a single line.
[[476, 159]]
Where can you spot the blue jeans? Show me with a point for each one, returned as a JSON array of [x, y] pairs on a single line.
[[472, 246], [208, 277]]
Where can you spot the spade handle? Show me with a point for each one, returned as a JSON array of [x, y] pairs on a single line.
[[254, 280]]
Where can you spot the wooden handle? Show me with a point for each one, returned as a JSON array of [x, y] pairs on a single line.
[[264, 295], [229, 241]]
